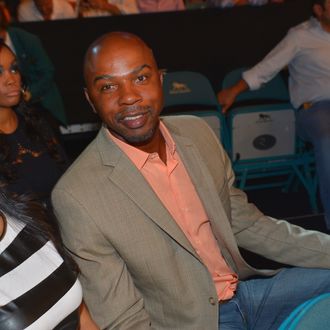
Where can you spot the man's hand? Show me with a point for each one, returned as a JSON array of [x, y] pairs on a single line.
[[226, 98]]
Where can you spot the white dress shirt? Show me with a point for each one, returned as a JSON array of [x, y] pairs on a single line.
[[306, 51]]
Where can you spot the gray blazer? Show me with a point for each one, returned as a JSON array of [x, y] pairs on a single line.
[[138, 270]]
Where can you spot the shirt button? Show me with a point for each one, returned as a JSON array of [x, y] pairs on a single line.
[[212, 301]]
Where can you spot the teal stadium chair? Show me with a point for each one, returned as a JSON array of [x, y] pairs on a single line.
[[262, 141], [311, 315], [191, 93]]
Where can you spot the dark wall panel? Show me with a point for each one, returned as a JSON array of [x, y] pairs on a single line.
[[212, 41]]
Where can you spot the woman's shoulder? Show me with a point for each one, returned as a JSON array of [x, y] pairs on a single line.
[[9, 230]]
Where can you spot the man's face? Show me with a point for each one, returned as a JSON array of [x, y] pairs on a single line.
[[124, 87], [323, 14]]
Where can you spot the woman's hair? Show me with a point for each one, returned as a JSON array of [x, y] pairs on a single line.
[[4, 16], [40, 221], [36, 130]]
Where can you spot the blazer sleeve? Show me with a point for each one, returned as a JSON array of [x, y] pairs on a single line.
[[273, 238], [109, 291]]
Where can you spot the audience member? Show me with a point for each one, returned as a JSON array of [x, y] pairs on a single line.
[[146, 6], [231, 3], [12, 7], [126, 7], [196, 4], [39, 286], [31, 158], [74, 3], [35, 66], [91, 8], [44, 10], [150, 213], [305, 50]]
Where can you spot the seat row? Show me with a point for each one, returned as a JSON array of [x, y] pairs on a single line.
[[258, 133]]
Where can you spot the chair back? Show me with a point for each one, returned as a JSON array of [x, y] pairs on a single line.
[[261, 123], [188, 87], [275, 90], [188, 92], [262, 141]]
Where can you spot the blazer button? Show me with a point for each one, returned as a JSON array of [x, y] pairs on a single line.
[[212, 301]]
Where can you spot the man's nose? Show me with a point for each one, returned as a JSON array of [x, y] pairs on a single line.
[[129, 94]]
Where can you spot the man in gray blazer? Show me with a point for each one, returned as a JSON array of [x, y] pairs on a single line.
[[151, 216]]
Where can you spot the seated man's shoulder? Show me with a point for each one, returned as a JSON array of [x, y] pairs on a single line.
[[190, 126], [184, 122], [83, 164]]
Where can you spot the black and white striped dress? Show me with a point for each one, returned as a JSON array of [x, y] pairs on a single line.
[[37, 290]]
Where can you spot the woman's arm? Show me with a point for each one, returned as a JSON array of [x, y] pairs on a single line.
[[2, 226]]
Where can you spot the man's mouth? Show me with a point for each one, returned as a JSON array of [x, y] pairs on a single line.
[[132, 117], [135, 121]]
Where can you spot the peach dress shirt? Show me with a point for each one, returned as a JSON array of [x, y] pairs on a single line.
[[174, 188]]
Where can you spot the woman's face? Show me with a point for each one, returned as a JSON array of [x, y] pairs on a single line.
[[10, 79]]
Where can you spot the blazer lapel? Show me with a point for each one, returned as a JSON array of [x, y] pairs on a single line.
[[124, 174], [206, 190], [208, 194]]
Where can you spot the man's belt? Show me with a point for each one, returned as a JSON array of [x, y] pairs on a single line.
[[306, 105]]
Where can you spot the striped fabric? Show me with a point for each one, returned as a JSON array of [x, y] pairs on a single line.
[[37, 290]]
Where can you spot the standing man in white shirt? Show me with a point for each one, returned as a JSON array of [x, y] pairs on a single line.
[[306, 52], [45, 10]]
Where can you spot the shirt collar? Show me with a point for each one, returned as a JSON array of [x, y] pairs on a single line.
[[316, 24], [139, 157]]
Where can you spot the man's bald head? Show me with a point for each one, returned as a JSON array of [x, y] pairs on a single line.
[[124, 86], [110, 43]]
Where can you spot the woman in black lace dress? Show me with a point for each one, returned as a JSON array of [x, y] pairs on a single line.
[[31, 159]]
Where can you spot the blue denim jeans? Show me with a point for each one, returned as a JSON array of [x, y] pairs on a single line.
[[264, 303], [313, 125]]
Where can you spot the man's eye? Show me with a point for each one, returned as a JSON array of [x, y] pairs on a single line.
[[142, 78], [108, 88]]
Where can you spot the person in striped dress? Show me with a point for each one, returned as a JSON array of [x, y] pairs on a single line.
[[39, 288]]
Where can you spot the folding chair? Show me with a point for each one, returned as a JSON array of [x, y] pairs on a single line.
[[187, 92], [262, 140], [310, 315]]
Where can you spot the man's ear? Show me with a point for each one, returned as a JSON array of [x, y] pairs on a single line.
[[161, 72], [89, 100]]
